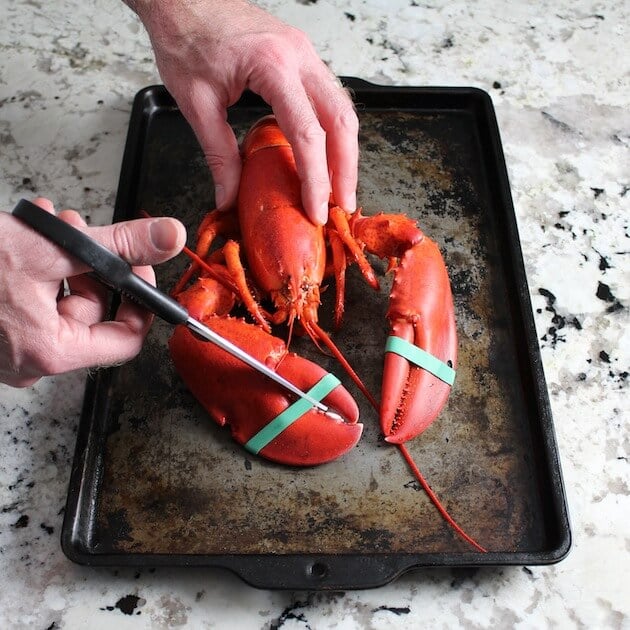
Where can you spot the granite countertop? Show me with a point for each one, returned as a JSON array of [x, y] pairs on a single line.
[[558, 75]]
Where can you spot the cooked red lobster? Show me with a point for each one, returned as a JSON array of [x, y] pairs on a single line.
[[284, 260]]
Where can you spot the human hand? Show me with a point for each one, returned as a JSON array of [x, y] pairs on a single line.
[[208, 52], [43, 332]]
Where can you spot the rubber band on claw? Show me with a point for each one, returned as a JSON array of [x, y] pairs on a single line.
[[292, 413], [421, 358]]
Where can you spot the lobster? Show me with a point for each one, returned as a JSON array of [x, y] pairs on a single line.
[[287, 258]]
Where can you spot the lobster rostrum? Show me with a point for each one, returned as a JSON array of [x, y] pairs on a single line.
[[286, 260]]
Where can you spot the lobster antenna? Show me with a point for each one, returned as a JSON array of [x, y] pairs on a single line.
[[403, 449], [320, 335], [432, 496], [436, 502], [200, 262]]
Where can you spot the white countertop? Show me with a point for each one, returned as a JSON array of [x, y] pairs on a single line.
[[558, 74]]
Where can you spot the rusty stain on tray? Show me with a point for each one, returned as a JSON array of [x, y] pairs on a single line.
[[174, 482]]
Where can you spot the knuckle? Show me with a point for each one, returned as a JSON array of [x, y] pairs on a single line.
[[72, 217], [42, 360], [285, 51], [216, 162], [310, 134], [225, 170], [301, 41], [274, 54], [346, 120], [315, 181], [123, 242]]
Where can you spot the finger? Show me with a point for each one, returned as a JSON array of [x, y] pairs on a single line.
[[208, 119], [87, 296], [38, 257], [125, 335], [85, 310], [134, 316], [337, 116], [143, 241], [299, 123], [87, 301], [106, 342], [73, 218], [45, 204], [139, 242], [103, 344]]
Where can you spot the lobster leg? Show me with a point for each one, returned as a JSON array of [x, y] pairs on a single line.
[[339, 271], [231, 251], [342, 226], [213, 224]]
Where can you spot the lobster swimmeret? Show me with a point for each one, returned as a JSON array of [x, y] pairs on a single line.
[[286, 259]]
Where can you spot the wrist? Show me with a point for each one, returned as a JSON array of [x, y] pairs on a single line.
[[140, 7], [145, 8]]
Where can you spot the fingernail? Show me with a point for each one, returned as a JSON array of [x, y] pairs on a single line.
[[219, 195], [352, 203], [164, 234], [322, 214]]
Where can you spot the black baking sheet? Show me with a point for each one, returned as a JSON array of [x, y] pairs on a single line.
[[156, 482]]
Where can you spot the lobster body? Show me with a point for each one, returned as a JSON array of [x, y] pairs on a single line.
[[285, 260], [285, 252]]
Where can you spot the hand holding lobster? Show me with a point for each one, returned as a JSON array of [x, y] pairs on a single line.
[[209, 52]]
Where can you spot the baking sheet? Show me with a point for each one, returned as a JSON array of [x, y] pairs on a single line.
[[157, 482]]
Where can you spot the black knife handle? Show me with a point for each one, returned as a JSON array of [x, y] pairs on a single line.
[[110, 269]]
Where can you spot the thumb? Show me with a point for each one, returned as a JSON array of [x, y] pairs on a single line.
[[142, 241]]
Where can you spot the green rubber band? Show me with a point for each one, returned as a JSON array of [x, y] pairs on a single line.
[[421, 358], [285, 419]]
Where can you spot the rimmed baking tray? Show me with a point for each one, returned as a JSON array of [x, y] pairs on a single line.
[[156, 482]]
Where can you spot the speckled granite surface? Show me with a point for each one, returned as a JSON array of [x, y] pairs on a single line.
[[558, 74]]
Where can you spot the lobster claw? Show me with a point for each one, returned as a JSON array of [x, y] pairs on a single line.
[[422, 351], [257, 415], [315, 438]]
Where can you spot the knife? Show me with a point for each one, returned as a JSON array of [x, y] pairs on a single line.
[[117, 275]]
